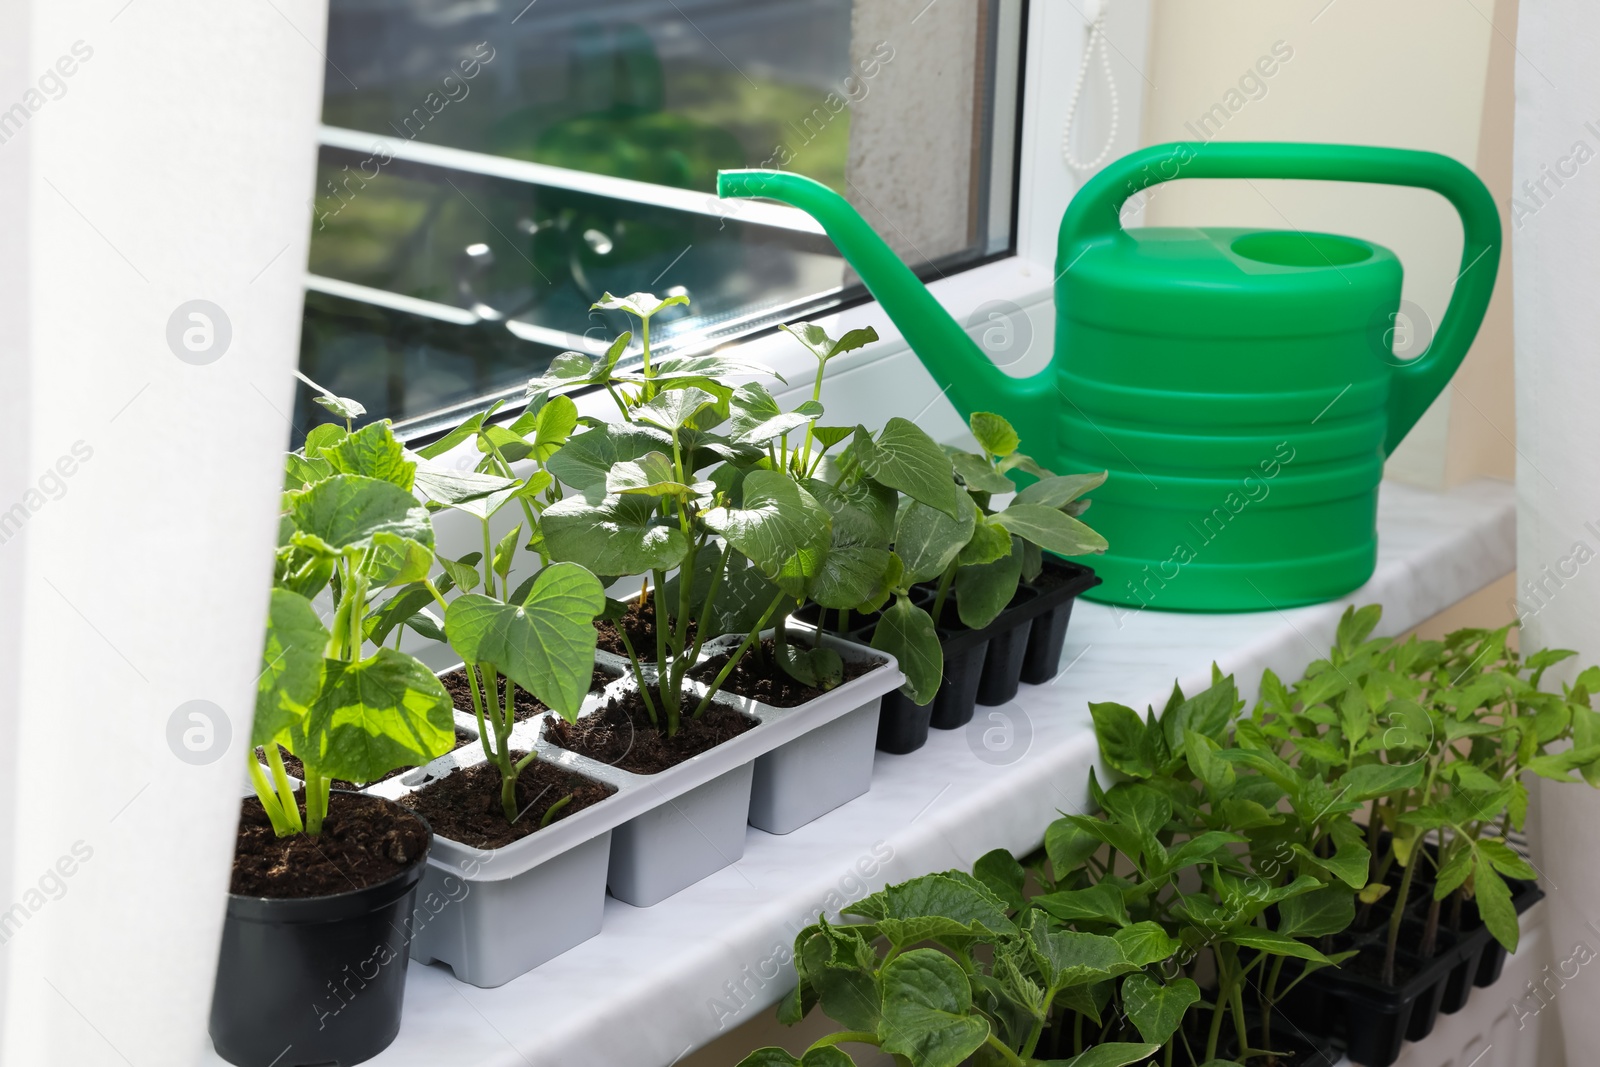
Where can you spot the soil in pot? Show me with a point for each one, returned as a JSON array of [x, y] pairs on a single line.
[[761, 678], [640, 624], [526, 705], [465, 804], [622, 734], [296, 769], [364, 840]]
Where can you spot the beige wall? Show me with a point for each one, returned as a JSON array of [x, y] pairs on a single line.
[[1428, 74]]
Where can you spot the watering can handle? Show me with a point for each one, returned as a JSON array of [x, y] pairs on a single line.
[[1095, 214]]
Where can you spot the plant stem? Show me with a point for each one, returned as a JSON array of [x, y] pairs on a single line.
[[638, 677], [280, 777], [269, 800], [316, 801], [1011, 1058], [1393, 942], [733, 660], [477, 711], [852, 1037], [553, 810]]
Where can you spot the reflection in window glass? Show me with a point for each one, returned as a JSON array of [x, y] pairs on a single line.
[[489, 169]]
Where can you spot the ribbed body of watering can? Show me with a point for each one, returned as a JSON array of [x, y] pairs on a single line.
[[1239, 385]]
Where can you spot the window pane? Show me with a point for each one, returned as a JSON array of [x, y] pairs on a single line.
[[489, 169]]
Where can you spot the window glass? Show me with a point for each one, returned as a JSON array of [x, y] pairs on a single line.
[[489, 169]]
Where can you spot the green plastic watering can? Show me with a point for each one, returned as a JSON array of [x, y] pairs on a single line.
[[1238, 384]]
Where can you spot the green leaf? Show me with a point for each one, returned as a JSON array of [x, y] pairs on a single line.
[[1355, 624], [393, 560], [463, 572], [1000, 872], [996, 436], [619, 535], [988, 543], [1068, 845], [1156, 1009], [984, 590], [374, 452], [453, 488], [1505, 860], [863, 512], [1059, 490], [757, 419], [291, 665], [778, 523], [342, 406], [926, 1001], [826, 1056], [1101, 902], [643, 305], [556, 421], [927, 540], [904, 458], [976, 472], [1115, 1054], [1124, 741], [907, 633], [344, 512], [1051, 530], [504, 550], [651, 474], [396, 611], [545, 644], [468, 428], [946, 905], [1145, 943], [586, 459], [850, 576], [1379, 780], [819, 344], [675, 409], [820, 667], [1494, 904], [828, 436], [1318, 913], [1274, 943], [373, 716], [320, 437]]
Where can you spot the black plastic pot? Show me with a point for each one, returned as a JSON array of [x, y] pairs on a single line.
[[987, 666], [314, 981]]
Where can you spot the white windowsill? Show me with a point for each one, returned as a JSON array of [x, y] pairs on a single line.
[[660, 981]]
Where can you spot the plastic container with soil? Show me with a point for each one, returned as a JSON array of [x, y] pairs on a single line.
[[312, 971], [1353, 1005], [828, 761]]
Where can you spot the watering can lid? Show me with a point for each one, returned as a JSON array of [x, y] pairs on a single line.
[[1227, 281]]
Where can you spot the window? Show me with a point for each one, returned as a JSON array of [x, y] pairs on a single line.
[[488, 169]]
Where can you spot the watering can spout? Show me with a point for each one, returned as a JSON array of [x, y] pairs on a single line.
[[960, 368]]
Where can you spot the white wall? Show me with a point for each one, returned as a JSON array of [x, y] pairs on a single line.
[[173, 164], [1410, 75], [1558, 471]]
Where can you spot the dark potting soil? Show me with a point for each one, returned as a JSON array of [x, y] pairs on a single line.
[[761, 678], [296, 769], [622, 734], [465, 804], [525, 705], [640, 624], [364, 840]]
